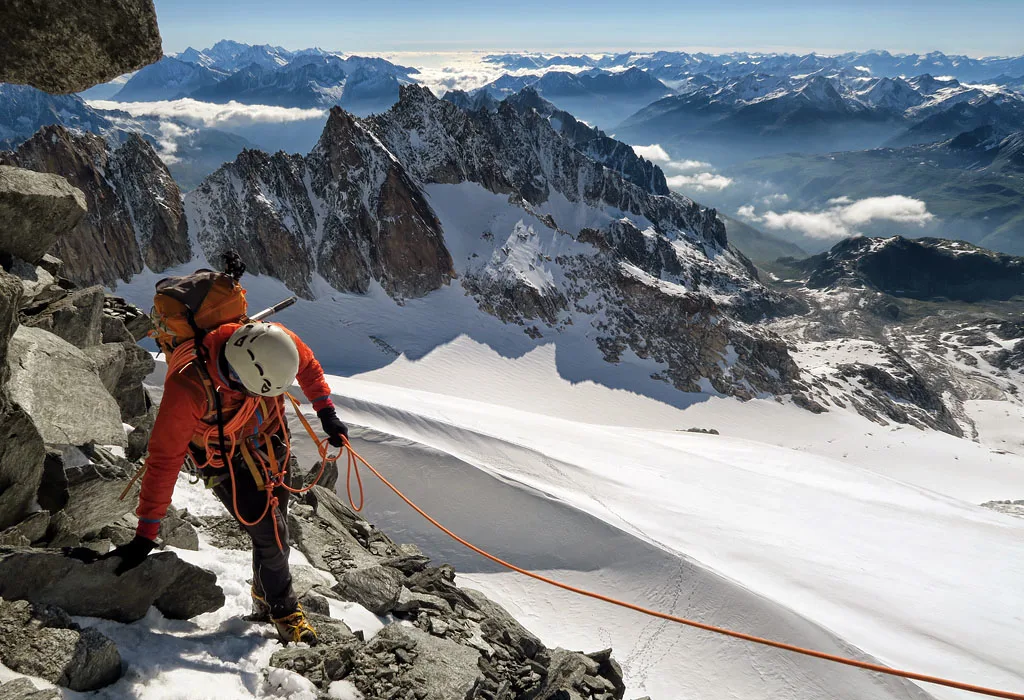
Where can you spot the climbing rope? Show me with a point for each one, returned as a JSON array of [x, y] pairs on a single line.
[[354, 460]]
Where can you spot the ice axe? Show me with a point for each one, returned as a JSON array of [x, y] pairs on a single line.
[[271, 310]]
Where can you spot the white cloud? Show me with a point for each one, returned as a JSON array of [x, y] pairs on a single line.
[[656, 154], [170, 133], [844, 216], [700, 182], [772, 199], [687, 165], [232, 114]]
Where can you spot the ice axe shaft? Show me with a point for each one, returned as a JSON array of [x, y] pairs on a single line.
[[268, 312]]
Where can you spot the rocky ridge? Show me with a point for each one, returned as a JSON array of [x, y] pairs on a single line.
[[653, 274]]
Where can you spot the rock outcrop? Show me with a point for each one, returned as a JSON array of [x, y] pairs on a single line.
[[49, 577], [917, 268], [135, 215], [57, 384], [47, 644], [35, 209], [68, 46], [348, 212], [446, 642]]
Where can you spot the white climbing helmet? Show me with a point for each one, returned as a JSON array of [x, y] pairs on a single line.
[[263, 357]]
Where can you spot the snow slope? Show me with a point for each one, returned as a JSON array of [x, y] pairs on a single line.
[[823, 530]]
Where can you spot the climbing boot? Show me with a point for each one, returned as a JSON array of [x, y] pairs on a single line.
[[260, 608], [295, 628]]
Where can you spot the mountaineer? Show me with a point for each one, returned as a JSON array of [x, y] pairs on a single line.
[[224, 395]]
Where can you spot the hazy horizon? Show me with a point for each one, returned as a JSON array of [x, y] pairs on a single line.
[[600, 26]]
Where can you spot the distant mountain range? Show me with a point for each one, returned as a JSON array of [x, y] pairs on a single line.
[[270, 75], [757, 114], [596, 96], [679, 65]]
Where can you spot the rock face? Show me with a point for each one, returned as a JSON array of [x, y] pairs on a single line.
[[24, 689], [21, 464], [47, 644], [67, 46], [36, 208], [45, 577], [56, 384], [360, 218], [135, 209]]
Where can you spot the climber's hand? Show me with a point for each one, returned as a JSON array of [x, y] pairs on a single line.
[[335, 429], [131, 554]]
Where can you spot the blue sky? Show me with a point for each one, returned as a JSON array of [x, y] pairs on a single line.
[[979, 27]]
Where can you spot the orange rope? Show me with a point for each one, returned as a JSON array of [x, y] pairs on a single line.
[[355, 459]]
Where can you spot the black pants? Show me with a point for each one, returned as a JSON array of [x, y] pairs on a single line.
[[272, 579]]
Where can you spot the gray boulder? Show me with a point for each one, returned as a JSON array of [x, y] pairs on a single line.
[[409, 659], [77, 318], [48, 645], [108, 360], [129, 391], [63, 46], [56, 384], [376, 588], [47, 577], [24, 689], [499, 627], [35, 208], [96, 479], [40, 286], [122, 367], [32, 529], [175, 531], [137, 323], [21, 464]]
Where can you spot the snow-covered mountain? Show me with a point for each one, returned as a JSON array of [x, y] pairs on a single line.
[[190, 152], [268, 75], [24, 109], [549, 242], [739, 118], [932, 323], [168, 79], [229, 56]]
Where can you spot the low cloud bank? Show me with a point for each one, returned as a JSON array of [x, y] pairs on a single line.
[[844, 216], [207, 114]]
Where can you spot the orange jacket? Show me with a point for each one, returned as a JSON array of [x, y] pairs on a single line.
[[180, 419]]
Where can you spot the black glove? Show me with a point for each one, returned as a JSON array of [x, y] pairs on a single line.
[[131, 554], [335, 429]]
